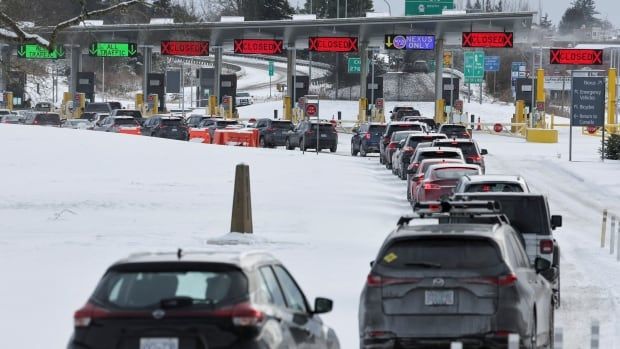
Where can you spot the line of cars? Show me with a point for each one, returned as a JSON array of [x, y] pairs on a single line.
[[486, 266]]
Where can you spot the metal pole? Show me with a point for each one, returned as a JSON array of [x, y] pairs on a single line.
[[182, 92], [372, 91], [481, 90], [532, 74], [346, 8], [389, 7], [337, 8], [103, 80], [570, 127], [603, 141]]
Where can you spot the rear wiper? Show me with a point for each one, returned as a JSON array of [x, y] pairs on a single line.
[[423, 264], [176, 302]]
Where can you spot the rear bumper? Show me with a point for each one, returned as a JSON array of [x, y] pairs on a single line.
[[275, 140], [322, 144], [370, 147], [439, 343]]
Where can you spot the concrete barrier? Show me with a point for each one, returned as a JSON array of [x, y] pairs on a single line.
[[241, 221]]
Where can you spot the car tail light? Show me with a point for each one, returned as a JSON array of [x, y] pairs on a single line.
[[386, 139], [546, 246], [507, 280], [408, 150], [245, 315], [431, 186], [392, 146], [504, 280], [377, 334], [466, 135], [84, 316], [377, 281], [36, 122], [367, 135], [475, 158]]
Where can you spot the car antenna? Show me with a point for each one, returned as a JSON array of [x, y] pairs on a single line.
[[179, 253]]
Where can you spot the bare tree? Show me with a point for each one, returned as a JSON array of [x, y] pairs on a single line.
[[12, 32]]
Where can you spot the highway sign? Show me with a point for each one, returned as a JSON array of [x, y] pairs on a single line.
[[34, 51], [409, 42], [185, 48], [488, 39], [588, 102], [491, 63], [272, 68], [113, 49], [333, 44], [576, 56], [259, 46], [474, 67], [427, 7], [354, 65]]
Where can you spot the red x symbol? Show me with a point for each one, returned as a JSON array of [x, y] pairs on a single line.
[[238, 46], [313, 44], [555, 56], [508, 39], [467, 39], [598, 57], [165, 47]]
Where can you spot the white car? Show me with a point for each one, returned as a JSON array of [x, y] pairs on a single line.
[[243, 98]]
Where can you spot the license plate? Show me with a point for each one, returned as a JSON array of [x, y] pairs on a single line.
[[159, 343], [323, 136], [175, 130], [439, 298]]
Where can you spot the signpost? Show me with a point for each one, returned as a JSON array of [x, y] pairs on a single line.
[[488, 39], [474, 67], [587, 103], [517, 70], [185, 48], [409, 42], [427, 7], [34, 51], [272, 71], [259, 46], [333, 44], [576, 56], [113, 49]]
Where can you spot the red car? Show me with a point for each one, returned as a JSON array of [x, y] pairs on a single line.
[[441, 179], [417, 177]]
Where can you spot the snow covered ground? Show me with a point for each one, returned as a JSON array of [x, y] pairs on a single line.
[[72, 202]]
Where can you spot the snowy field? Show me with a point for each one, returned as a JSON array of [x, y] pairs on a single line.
[[73, 202]]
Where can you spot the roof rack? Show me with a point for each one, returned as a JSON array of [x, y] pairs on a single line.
[[450, 212]]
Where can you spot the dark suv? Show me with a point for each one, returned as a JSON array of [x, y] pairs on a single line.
[[472, 153], [305, 136], [165, 127], [273, 132], [43, 119], [387, 136], [466, 279], [366, 138], [200, 300], [136, 114], [454, 131]]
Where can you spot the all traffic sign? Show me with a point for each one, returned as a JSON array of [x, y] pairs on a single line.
[[113, 49], [34, 51]]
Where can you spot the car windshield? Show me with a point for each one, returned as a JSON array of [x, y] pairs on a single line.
[[441, 253], [282, 125], [146, 289], [453, 172], [125, 122], [494, 187], [468, 148]]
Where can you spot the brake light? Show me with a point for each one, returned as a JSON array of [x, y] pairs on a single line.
[[378, 281], [367, 135], [245, 315], [84, 316], [392, 146], [475, 158], [507, 280], [504, 280], [431, 186], [408, 150], [546, 246]]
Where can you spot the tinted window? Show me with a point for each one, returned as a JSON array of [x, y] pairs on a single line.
[[171, 122], [494, 187], [378, 129], [282, 125], [129, 122], [132, 113], [243, 94], [145, 289], [48, 119], [453, 128], [275, 293], [223, 124], [293, 295], [98, 107], [439, 155], [445, 253], [415, 140], [468, 148], [453, 173], [404, 127]]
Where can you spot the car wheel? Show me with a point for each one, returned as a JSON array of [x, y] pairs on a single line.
[[353, 151], [287, 144], [261, 142], [362, 151], [333, 149]]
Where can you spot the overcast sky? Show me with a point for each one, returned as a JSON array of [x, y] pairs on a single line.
[[555, 8]]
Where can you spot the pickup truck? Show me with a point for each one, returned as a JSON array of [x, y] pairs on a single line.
[[530, 216]]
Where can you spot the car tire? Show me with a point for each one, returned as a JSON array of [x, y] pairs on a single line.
[[261, 142], [287, 145], [333, 149], [362, 151], [353, 151]]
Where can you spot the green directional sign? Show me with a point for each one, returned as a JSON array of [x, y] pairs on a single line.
[[474, 67], [34, 51], [113, 49], [427, 7], [355, 65], [432, 65], [272, 68]]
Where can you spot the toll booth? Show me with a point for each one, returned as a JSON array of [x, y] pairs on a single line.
[[228, 87], [205, 76], [302, 86], [86, 85], [451, 90], [524, 91], [157, 86], [17, 85]]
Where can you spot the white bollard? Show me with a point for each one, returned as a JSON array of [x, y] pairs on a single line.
[[513, 341], [612, 235], [559, 339], [618, 247], [456, 345], [594, 336]]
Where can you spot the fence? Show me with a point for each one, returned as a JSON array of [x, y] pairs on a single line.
[[611, 220]]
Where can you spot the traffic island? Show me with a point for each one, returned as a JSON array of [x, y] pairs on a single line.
[[539, 135]]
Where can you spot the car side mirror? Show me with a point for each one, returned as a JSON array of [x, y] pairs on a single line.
[[541, 265], [323, 305], [372, 264], [556, 222], [484, 152], [418, 178]]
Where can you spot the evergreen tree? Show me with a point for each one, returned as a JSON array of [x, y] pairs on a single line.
[[477, 5], [469, 6], [488, 6], [581, 13], [499, 7], [329, 8], [612, 147]]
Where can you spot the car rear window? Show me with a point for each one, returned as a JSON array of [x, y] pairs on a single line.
[[453, 128], [403, 127], [323, 127], [468, 148], [494, 187], [145, 289], [282, 125], [48, 118], [98, 107], [440, 253], [453, 172], [439, 155], [11, 117], [415, 140], [398, 136], [132, 113], [376, 129], [171, 122], [226, 123], [125, 121]]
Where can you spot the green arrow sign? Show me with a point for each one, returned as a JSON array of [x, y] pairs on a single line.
[[427, 7], [474, 67], [272, 68], [34, 51], [355, 65], [113, 49]]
